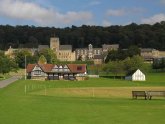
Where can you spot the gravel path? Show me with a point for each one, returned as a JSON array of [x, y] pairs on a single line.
[[6, 82]]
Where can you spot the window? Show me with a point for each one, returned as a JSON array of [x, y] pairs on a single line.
[[85, 52], [66, 68], [99, 52], [37, 72], [60, 68], [94, 51], [55, 69], [79, 68]]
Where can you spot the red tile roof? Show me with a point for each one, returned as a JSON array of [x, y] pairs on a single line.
[[74, 68], [77, 68], [47, 67], [30, 67]]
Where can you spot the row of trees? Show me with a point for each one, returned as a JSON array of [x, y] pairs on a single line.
[[126, 66], [122, 54], [159, 64], [7, 64], [143, 35], [44, 56]]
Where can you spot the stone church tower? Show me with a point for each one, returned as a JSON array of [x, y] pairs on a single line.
[[54, 43]]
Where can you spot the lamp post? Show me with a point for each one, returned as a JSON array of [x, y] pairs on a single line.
[[25, 67]]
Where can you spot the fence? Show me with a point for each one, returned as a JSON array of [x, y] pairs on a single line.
[[65, 91], [35, 87], [53, 90]]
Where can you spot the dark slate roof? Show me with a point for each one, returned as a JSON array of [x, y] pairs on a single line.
[[147, 49], [98, 56], [81, 49], [107, 46], [97, 48], [40, 47], [65, 47]]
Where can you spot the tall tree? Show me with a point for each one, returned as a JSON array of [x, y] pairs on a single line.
[[116, 67], [7, 65], [20, 57], [42, 60], [49, 55], [132, 64]]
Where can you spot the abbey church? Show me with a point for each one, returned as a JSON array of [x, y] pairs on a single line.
[[66, 53], [63, 52]]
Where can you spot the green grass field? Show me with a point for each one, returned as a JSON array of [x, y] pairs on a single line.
[[16, 107]]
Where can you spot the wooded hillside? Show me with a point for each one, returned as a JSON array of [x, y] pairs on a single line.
[[144, 35]]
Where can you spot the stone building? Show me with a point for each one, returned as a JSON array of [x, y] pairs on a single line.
[[90, 52], [66, 53], [108, 47], [161, 54], [63, 52], [98, 59], [41, 47], [10, 52], [149, 54]]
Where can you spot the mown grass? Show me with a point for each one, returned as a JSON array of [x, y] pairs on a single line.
[[153, 79], [18, 108], [97, 92]]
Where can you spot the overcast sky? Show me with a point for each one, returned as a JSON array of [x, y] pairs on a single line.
[[64, 13]]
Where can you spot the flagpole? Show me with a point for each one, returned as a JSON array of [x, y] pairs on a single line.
[[25, 67]]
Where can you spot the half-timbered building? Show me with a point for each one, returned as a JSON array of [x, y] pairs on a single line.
[[56, 72]]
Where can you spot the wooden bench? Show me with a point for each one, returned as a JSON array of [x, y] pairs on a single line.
[[150, 94], [136, 94]]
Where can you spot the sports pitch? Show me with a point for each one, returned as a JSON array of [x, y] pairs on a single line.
[[66, 102]]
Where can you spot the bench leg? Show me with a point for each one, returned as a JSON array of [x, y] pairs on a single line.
[[145, 98], [133, 97]]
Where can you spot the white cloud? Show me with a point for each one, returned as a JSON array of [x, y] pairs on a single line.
[[106, 23], [94, 3], [162, 1], [23, 10], [72, 16], [156, 18], [113, 12], [124, 11]]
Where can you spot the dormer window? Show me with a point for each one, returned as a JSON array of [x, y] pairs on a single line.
[[66, 68], [60, 68], [37, 70], [55, 69]]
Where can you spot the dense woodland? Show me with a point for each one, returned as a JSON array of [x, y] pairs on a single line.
[[143, 35]]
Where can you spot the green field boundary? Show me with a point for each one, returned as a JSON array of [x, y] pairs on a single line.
[[102, 92]]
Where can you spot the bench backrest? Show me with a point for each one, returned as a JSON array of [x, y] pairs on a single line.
[[156, 93], [138, 93]]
